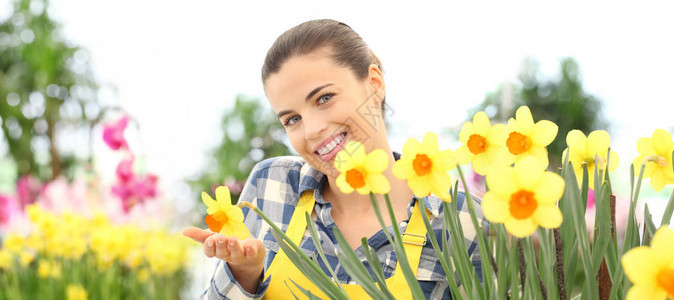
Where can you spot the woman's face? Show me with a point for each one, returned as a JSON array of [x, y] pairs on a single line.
[[323, 106]]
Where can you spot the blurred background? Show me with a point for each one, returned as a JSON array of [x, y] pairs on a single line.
[[179, 83]]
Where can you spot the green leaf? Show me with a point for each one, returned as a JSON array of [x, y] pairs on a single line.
[[315, 239], [444, 261], [667, 215], [649, 226], [355, 268], [482, 242], [375, 265], [303, 290]]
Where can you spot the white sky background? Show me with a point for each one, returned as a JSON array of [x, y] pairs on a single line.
[[177, 65]]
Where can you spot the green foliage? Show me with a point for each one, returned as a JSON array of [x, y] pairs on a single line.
[[251, 133], [561, 100], [45, 86]]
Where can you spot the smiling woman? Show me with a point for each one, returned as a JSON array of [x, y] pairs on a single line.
[[327, 89]]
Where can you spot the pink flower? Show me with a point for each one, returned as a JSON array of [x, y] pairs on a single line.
[[590, 198], [28, 189], [125, 170], [113, 134], [135, 190], [5, 206], [59, 196]]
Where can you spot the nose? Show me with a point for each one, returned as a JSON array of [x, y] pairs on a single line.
[[314, 127]]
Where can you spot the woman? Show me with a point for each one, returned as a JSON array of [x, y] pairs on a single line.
[[327, 88]]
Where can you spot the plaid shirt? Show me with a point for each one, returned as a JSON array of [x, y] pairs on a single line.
[[275, 186]]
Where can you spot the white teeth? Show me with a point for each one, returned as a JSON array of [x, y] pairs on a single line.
[[329, 147]]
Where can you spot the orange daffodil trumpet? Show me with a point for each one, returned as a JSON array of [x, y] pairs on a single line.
[[656, 153], [651, 269], [523, 197], [526, 138], [591, 150], [360, 171], [482, 144], [425, 167], [223, 217]]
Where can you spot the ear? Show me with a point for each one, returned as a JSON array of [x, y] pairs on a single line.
[[376, 81]]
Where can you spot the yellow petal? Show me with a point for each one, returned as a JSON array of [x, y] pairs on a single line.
[[644, 291], [343, 161], [575, 139], [377, 161], [419, 185], [480, 164], [540, 154], [640, 265], [662, 245], [234, 214], [549, 189], [210, 203], [481, 123], [343, 186], [222, 195], [494, 209], [240, 230], [440, 182], [614, 160], [645, 146], [496, 156], [497, 135], [411, 148], [357, 152], [520, 228], [403, 169], [598, 142], [465, 133], [662, 142], [444, 160], [544, 133], [363, 190], [430, 143], [378, 183], [227, 229], [502, 180], [525, 122], [548, 216], [463, 155], [658, 180], [528, 173]]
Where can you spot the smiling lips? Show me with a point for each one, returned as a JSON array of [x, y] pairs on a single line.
[[328, 149]]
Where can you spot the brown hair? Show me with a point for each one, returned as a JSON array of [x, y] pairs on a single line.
[[348, 48]]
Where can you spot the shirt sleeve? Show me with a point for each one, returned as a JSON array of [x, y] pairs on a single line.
[[222, 284]]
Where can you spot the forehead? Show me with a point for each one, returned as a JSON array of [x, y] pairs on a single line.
[[299, 75]]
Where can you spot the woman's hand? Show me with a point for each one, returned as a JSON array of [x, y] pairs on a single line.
[[244, 257]]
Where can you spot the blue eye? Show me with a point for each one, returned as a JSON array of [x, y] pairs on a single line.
[[325, 98], [291, 121]]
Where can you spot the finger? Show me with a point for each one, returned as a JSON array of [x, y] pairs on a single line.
[[197, 234], [250, 251], [209, 246], [235, 249], [221, 250]]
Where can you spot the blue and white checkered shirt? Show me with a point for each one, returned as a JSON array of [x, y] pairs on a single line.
[[275, 186]]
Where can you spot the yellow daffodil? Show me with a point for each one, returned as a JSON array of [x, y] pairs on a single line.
[[360, 171], [425, 167], [526, 138], [76, 292], [5, 260], [223, 217], [13, 242], [651, 269], [656, 153], [482, 144], [25, 258], [582, 149], [523, 197]]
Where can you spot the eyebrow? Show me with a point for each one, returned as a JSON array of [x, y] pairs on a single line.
[[311, 94]]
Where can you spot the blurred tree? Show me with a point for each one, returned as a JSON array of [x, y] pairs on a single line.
[[46, 90], [561, 100], [250, 134]]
